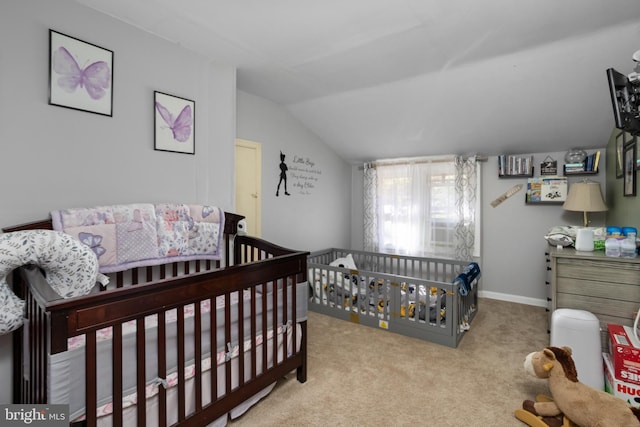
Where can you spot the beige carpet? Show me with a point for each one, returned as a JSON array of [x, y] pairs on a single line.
[[361, 376]]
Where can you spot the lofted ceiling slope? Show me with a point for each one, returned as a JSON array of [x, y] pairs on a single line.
[[396, 78]]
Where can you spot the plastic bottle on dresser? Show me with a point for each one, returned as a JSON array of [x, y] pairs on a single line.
[[628, 246], [612, 247]]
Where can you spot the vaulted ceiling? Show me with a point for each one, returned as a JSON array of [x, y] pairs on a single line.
[[395, 78]]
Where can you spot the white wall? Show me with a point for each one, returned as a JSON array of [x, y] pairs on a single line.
[[54, 157], [513, 242], [57, 157], [513, 245], [310, 219]]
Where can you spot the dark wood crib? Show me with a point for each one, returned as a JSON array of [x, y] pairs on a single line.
[[257, 300]]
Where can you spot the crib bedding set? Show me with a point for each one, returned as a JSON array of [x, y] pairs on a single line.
[[136, 235], [254, 328], [428, 298]]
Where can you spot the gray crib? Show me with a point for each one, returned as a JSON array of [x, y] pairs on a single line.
[[413, 296]]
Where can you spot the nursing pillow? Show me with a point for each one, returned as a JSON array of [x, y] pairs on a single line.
[[70, 268]]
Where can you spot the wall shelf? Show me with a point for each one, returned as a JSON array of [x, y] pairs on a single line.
[[588, 167], [564, 170], [538, 202], [516, 175]]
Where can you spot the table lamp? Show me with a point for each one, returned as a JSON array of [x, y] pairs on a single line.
[[584, 197]]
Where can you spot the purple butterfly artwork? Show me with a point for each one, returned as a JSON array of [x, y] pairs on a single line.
[[180, 125], [95, 78], [93, 241]]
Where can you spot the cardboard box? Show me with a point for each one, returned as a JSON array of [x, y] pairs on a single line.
[[625, 353], [627, 391]]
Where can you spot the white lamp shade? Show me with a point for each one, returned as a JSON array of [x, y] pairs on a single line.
[[585, 197]]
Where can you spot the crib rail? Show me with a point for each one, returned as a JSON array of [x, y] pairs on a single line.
[[413, 296], [436, 269]]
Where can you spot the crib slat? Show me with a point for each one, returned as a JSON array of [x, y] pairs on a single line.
[[162, 368], [181, 365], [197, 335], [119, 279], [265, 353], [285, 311], [254, 344], [240, 326], [274, 324], [214, 350], [227, 339], [90, 378], [141, 373], [117, 375], [36, 362]]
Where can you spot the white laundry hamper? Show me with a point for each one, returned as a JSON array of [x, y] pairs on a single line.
[[580, 330]]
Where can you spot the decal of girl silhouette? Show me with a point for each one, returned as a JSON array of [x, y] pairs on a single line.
[[283, 176]]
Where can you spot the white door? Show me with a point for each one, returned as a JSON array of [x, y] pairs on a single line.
[[249, 184]]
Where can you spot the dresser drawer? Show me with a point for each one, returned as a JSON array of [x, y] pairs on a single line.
[[599, 270], [613, 290], [618, 311]]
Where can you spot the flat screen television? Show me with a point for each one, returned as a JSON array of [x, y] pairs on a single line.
[[625, 99]]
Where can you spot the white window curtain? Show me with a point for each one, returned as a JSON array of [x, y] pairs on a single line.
[[422, 207]]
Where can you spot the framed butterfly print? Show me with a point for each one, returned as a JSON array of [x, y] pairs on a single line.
[[80, 75], [174, 123]]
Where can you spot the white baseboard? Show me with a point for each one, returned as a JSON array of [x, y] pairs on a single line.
[[513, 298]]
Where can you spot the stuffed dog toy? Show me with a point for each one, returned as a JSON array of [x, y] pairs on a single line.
[[583, 405]]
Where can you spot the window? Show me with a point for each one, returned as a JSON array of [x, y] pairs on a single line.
[[421, 207]]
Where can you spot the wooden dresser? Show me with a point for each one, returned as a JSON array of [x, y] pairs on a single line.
[[605, 286]]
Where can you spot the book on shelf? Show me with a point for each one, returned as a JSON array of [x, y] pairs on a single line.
[[534, 189], [590, 164], [574, 167], [515, 165], [592, 161], [547, 189]]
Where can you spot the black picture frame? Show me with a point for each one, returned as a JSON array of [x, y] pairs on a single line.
[[620, 143], [629, 183], [174, 123], [80, 75]]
